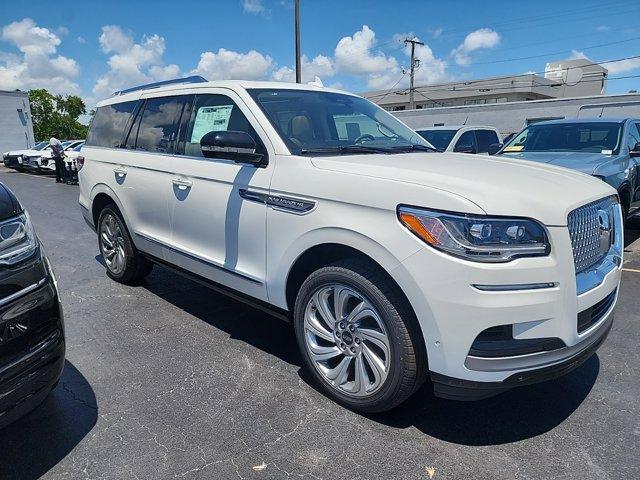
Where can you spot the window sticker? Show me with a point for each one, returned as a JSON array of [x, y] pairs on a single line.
[[607, 152], [210, 119], [514, 148]]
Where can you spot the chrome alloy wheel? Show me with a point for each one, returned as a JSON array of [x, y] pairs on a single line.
[[347, 340], [112, 244]]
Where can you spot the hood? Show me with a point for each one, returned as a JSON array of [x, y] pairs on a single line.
[[586, 162], [9, 205], [498, 185]]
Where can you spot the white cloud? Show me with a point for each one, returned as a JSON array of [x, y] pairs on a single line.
[[81, 40], [355, 54], [37, 66], [227, 64], [577, 54], [131, 63], [321, 66], [254, 6], [476, 40], [436, 32], [623, 66], [31, 39], [603, 28]]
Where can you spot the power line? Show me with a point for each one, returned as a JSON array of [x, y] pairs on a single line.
[[394, 85]]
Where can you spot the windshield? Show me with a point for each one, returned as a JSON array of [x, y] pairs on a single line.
[[40, 145], [312, 122], [438, 138], [567, 137]]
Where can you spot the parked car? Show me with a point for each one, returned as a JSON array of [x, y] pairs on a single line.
[[44, 162], [462, 139], [608, 149], [393, 263], [32, 344], [15, 158]]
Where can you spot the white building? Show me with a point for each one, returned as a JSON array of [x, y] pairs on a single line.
[[16, 128]]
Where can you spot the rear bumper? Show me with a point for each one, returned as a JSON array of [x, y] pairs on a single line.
[[467, 390], [33, 350]]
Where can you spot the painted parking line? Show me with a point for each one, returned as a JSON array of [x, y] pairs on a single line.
[[634, 270]]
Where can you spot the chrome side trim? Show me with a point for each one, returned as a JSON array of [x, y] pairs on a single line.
[[541, 359], [198, 258], [515, 287], [20, 293], [295, 205]]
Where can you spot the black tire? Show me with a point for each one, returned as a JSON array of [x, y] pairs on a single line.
[[135, 266], [408, 366]]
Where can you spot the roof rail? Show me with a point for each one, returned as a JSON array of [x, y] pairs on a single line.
[[192, 79]]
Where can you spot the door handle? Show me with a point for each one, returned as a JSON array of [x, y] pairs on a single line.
[[182, 184], [121, 172]]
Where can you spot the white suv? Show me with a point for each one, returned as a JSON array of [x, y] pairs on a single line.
[[393, 262]]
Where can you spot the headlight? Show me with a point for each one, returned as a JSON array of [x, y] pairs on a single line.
[[476, 237], [17, 240]]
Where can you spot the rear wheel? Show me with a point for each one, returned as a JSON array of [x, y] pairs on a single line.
[[358, 337], [123, 261]]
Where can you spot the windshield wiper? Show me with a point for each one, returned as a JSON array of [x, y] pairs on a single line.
[[346, 149], [416, 147]]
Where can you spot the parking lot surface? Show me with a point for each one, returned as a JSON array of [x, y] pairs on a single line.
[[172, 380]]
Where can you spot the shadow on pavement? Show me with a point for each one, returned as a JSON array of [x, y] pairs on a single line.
[[512, 416], [515, 415], [241, 322], [34, 444]]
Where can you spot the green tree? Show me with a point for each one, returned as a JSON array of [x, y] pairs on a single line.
[[56, 115]]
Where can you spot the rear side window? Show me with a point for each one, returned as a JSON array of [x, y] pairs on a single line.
[[213, 113], [466, 140], [108, 124], [156, 127], [486, 138]]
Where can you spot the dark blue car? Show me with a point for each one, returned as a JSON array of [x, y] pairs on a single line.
[[603, 147]]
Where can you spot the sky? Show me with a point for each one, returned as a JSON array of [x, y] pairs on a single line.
[[92, 49]]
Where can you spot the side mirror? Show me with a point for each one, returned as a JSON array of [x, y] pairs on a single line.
[[231, 145], [636, 150], [464, 149], [494, 148]]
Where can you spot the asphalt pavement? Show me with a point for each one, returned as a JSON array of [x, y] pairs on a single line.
[[171, 380]]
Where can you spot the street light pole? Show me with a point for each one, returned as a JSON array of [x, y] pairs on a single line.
[[297, 23]]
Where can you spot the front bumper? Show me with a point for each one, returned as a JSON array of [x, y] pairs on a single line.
[[32, 347], [538, 298]]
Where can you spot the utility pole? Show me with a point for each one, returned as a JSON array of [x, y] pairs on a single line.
[[414, 64], [297, 22]]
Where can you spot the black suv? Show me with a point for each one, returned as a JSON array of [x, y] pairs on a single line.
[[32, 342]]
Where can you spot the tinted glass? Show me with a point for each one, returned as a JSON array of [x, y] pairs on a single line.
[[438, 138], [633, 137], [567, 137], [40, 145], [466, 140], [212, 113], [108, 124], [486, 138], [158, 127], [310, 121]]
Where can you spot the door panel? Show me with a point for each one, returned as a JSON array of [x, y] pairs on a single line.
[[216, 233], [143, 178]]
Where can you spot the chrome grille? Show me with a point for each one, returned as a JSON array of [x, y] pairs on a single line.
[[587, 235]]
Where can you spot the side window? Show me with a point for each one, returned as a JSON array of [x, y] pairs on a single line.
[[634, 136], [213, 113], [486, 138], [157, 128], [108, 124], [466, 140]]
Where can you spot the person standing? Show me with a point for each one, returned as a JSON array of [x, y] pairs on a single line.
[[57, 152]]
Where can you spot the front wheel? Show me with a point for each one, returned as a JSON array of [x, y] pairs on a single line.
[[358, 337], [121, 258]]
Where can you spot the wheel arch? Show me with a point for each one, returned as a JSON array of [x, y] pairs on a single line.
[[101, 196]]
